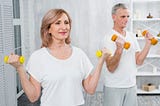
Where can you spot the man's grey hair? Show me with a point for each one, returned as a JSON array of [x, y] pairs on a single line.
[[118, 6]]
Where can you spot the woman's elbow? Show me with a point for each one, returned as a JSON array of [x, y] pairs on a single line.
[[33, 98], [91, 91]]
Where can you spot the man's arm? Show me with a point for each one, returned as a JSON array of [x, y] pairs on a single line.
[[112, 62], [140, 56]]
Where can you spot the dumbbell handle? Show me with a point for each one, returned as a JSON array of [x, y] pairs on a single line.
[[126, 44], [21, 59], [153, 40]]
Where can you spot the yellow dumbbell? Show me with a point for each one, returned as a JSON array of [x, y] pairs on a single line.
[[154, 41], [21, 59], [98, 53], [126, 44]]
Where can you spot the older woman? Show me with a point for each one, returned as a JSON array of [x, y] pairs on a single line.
[[60, 69]]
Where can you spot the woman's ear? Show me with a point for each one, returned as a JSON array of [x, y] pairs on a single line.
[[49, 30]]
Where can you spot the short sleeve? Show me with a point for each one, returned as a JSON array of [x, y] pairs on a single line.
[[86, 65], [34, 67]]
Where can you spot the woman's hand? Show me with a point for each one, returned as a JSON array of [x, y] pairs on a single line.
[[106, 53], [13, 60]]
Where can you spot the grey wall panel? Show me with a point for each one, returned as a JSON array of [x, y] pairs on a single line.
[[7, 73], [2, 87], [2, 78]]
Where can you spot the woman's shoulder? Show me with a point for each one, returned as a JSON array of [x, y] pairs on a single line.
[[78, 50], [37, 55], [75, 48], [39, 52]]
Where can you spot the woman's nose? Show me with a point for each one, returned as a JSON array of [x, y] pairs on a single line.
[[63, 26]]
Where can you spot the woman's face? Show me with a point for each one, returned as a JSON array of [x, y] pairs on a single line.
[[60, 29]]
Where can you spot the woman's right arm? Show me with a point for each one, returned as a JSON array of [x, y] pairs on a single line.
[[31, 87]]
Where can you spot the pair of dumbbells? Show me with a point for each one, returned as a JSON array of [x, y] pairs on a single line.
[[153, 40]]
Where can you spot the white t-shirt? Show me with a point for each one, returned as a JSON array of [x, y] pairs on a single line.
[[61, 80], [125, 74]]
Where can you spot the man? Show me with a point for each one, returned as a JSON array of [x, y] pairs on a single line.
[[120, 73]]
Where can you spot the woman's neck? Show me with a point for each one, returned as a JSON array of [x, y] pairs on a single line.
[[60, 50], [57, 45]]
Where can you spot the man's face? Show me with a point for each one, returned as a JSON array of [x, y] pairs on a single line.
[[120, 18]]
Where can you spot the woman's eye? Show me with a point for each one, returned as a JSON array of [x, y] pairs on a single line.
[[66, 22], [57, 23]]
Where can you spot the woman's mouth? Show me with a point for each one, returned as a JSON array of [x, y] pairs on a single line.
[[62, 33]]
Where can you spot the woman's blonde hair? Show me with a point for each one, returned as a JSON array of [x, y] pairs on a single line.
[[50, 17]]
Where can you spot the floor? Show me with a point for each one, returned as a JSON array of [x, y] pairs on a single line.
[[97, 100]]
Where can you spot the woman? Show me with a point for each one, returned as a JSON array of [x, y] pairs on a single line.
[[60, 69]]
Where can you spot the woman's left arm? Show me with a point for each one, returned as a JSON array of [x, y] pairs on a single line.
[[91, 82]]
